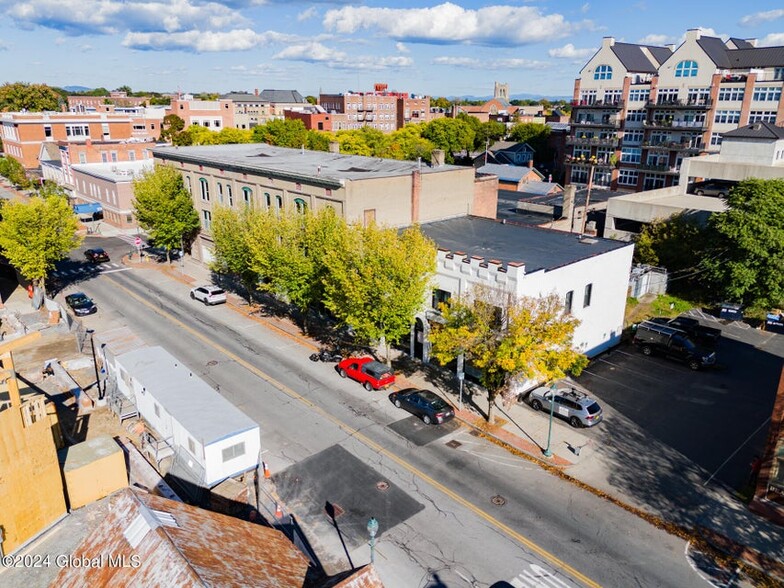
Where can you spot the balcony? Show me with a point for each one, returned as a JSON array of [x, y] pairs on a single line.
[[661, 169], [733, 78], [612, 122], [592, 141], [589, 162], [704, 104], [601, 104], [692, 125], [670, 146]]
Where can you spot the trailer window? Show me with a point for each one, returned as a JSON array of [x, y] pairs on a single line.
[[234, 451]]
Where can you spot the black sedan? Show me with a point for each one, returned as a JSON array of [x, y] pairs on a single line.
[[427, 405], [96, 255], [81, 304]]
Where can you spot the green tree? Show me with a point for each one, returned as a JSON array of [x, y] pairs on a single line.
[[229, 135], [31, 97], [160, 101], [508, 339], [450, 134], [746, 258], [311, 99], [319, 140], [233, 255], [172, 125], [377, 280], [408, 143], [37, 233], [441, 102], [164, 208], [353, 143], [488, 133], [536, 135], [281, 132], [13, 170], [51, 189], [126, 89]]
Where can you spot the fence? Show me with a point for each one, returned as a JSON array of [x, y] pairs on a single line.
[[646, 279]]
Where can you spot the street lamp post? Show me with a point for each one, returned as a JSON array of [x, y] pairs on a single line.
[[372, 528], [548, 452]]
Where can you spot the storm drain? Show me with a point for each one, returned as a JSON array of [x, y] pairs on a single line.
[[212, 363], [474, 432], [382, 485], [498, 500], [453, 444]]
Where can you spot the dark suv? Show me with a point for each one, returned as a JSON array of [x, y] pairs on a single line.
[[653, 337], [718, 188]]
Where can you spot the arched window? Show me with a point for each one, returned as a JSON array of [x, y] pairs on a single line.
[[229, 195], [268, 200], [300, 205], [187, 178], [686, 69], [279, 201], [603, 72], [246, 195], [205, 189], [220, 192]]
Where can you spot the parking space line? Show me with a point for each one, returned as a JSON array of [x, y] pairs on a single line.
[[764, 424]]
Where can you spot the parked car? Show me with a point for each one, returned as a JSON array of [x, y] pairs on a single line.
[[427, 405], [372, 374], [718, 188], [209, 295], [81, 304], [708, 336], [569, 404], [96, 255], [674, 343]]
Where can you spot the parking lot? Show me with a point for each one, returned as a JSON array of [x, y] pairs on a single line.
[[717, 417]]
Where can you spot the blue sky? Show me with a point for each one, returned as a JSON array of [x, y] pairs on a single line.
[[425, 47]]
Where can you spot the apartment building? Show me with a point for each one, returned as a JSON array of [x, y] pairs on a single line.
[[23, 133], [313, 116], [640, 110], [98, 103], [215, 115], [258, 108], [380, 109]]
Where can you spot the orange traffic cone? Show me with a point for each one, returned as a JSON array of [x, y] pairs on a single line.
[[266, 469], [278, 511]]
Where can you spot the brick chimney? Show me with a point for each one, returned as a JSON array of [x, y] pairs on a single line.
[[531, 163], [256, 91]]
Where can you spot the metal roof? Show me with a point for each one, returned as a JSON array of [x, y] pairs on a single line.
[[635, 60], [537, 248], [175, 544], [271, 96], [715, 49], [756, 57], [204, 413], [508, 173], [757, 130], [312, 166], [540, 188]]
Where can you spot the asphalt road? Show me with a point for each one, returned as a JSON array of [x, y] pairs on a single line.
[[330, 443]]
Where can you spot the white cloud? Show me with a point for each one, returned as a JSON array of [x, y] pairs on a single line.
[[474, 63], [307, 14], [199, 41], [758, 18], [450, 23], [772, 40], [401, 47], [314, 52], [585, 8], [569, 51], [654, 39], [85, 48]]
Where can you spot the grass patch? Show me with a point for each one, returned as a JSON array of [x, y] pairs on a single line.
[[668, 305]]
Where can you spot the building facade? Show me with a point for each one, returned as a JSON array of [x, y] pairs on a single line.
[[215, 115], [380, 109], [640, 110], [258, 108]]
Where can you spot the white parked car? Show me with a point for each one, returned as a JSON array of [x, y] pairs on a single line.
[[209, 294]]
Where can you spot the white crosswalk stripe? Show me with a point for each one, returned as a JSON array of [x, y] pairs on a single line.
[[537, 577]]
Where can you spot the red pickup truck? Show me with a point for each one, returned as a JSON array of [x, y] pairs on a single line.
[[372, 374]]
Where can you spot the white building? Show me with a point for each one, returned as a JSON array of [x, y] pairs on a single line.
[[590, 275]]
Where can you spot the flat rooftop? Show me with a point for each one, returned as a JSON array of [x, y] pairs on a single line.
[[537, 248], [263, 159], [118, 171]]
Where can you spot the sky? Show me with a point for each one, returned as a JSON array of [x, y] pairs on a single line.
[[436, 48]]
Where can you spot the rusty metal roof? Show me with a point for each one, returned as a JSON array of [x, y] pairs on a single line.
[[364, 577], [159, 542]]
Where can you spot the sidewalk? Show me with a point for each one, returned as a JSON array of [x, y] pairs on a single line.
[[616, 460]]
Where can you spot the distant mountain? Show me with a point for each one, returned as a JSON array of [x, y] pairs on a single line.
[[76, 88], [515, 97]]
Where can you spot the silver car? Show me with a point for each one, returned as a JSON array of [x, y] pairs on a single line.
[[209, 295], [570, 404]]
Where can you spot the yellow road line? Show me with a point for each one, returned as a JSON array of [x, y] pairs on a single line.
[[355, 433]]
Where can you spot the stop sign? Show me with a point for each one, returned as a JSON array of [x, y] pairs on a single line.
[[138, 241]]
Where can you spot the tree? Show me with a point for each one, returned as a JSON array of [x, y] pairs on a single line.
[[318, 140], [281, 132], [488, 133], [450, 134], [172, 126], [311, 99], [441, 102], [233, 255], [13, 170], [229, 135], [37, 233], [126, 89], [508, 339], [164, 208], [353, 143], [97, 92], [536, 135], [31, 97], [408, 143], [378, 279], [746, 258], [50, 189]]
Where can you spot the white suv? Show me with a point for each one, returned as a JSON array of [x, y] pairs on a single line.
[[209, 295]]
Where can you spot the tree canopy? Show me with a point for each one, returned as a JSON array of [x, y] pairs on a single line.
[[171, 127], [37, 233], [508, 339], [13, 170], [164, 208], [31, 97], [450, 134], [281, 132]]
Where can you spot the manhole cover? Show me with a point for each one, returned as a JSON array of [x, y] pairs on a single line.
[[498, 500], [382, 485], [474, 432], [212, 363], [333, 510], [453, 444]]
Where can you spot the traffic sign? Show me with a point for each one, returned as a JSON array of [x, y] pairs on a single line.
[[138, 241]]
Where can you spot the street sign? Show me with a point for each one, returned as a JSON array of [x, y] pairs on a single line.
[[138, 241]]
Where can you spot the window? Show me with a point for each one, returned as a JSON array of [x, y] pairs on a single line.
[[279, 201], [131, 155], [207, 219], [234, 451], [48, 131], [440, 297], [631, 155], [767, 94], [82, 157], [104, 157], [587, 295], [686, 69], [639, 95], [191, 446], [778, 73], [666, 95], [698, 95], [268, 200], [613, 96], [229, 195], [715, 139], [113, 155], [727, 116], [627, 177], [205, 189], [220, 192], [568, 301], [635, 115], [300, 205], [653, 182], [603, 72], [731, 94], [246, 195], [762, 116], [188, 184]]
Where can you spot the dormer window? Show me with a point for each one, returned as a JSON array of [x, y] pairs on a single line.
[[603, 72], [686, 69]]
